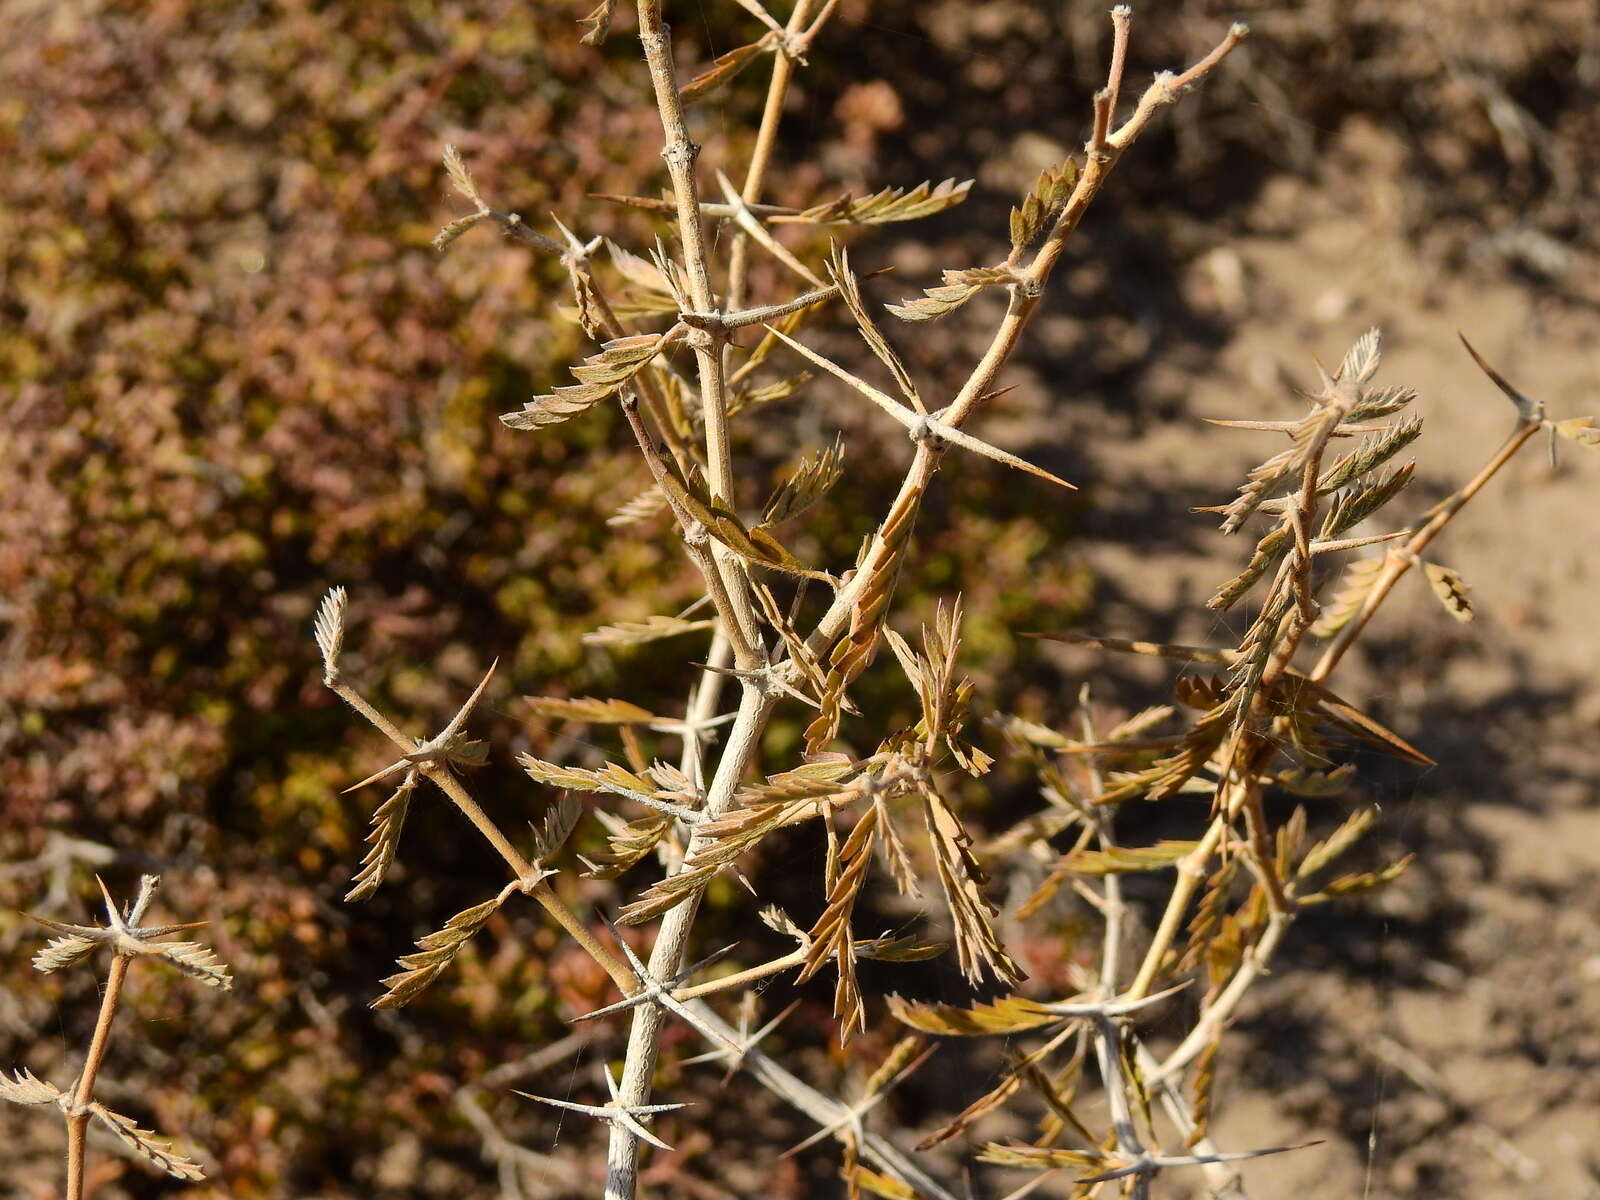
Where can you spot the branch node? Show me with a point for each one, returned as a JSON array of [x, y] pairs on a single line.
[[793, 46], [706, 336], [681, 153]]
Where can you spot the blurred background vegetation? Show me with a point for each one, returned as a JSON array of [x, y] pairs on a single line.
[[235, 373]]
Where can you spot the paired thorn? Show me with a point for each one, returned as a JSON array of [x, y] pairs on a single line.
[[921, 427], [658, 992], [746, 220], [438, 749], [577, 253], [1528, 408], [614, 1112], [1151, 1164], [127, 938], [773, 680], [735, 1055], [1111, 1008]]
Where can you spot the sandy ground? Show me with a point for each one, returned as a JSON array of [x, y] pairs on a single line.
[[1443, 1038]]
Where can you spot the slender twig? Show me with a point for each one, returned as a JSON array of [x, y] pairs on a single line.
[[532, 880], [709, 688], [126, 935], [741, 979], [680, 153], [734, 625], [1216, 1016], [83, 1094], [766, 140], [1110, 904], [1398, 562], [1024, 299]]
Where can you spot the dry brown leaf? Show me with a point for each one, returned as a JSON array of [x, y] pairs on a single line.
[[1451, 590]]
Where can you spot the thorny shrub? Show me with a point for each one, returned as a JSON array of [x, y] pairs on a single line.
[[195, 441], [234, 368], [686, 353]]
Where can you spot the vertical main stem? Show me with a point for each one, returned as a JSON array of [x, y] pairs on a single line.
[[756, 704], [78, 1119], [680, 153], [619, 971], [666, 956], [704, 701]]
